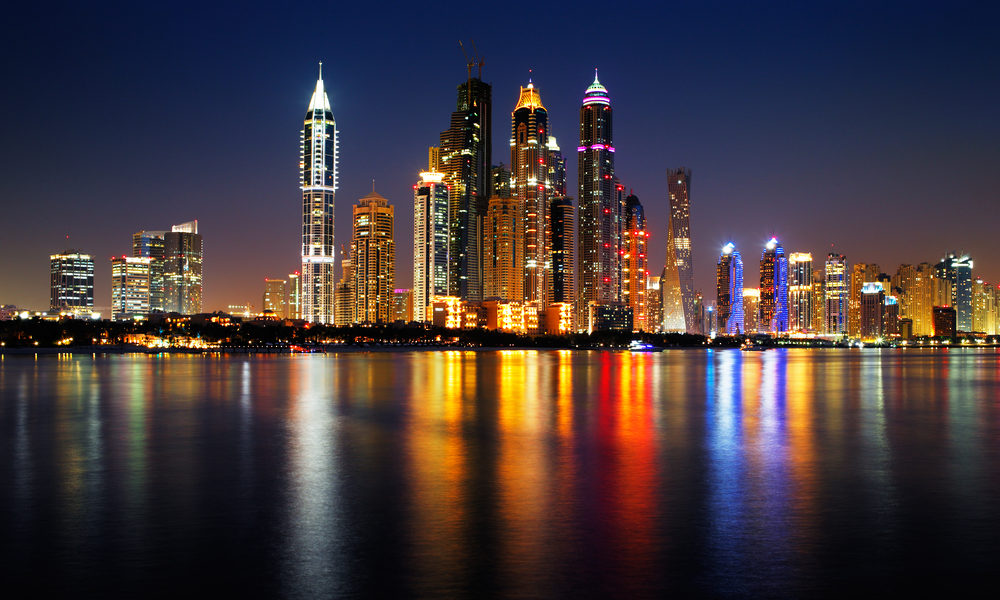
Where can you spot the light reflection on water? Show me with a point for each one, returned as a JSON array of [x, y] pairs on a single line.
[[515, 473]]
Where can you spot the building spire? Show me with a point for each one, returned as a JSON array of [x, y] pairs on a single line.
[[596, 82], [321, 70]]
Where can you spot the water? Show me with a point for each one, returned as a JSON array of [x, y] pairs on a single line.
[[516, 474]]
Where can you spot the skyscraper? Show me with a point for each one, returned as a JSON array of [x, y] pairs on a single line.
[[872, 311], [318, 181], [751, 309], [654, 304], [800, 291], [773, 288], [861, 273], [635, 272], [275, 298], [529, 161], [729, 292], [183, 255], [921, 300], [504, 249], [129, 286], [431, 241], [71, 275], [557, 168], [151, 244], [373, 260], [295, 295], [958, 270], [598, 259], [835, 294], [563, 229], [818, 301], [677, 283], [465, 156]]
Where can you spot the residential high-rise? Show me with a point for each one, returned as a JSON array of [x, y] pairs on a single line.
[[921, 300], [557, 168], [501, 181], [677, 283], [275, 297], [872, 311], [71, 277], [861, 273], [343, 297], [598, 260], [373, 259], [318, 181], [654, 304], [945, 321], [431, 241], [130, 286], [465, 160], [729, 292], [958, 271], [504, 249], [529, 178], [562, 218], [151, 244], [635, 267], [818, 301], [902, 283], [800, 291], [751, 309], [835, 294], [183, 254], [295, 295], [773, 288], [402, 305]]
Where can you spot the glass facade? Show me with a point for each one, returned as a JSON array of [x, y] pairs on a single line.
[[71, 277]]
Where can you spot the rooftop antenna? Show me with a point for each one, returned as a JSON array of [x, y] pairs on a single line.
[[529, 76], [321, 69]]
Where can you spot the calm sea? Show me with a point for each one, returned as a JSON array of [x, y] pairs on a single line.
[[791, 473]]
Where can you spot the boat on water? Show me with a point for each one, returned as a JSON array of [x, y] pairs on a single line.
[[641, 346], [753, 348]]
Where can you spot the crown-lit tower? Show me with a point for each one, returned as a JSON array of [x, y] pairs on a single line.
[[773, 288], [529, 159], [729, 291], [318, 181]]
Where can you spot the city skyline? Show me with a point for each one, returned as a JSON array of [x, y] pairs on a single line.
[[727, 181]]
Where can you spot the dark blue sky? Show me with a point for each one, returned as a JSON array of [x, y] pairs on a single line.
[[869, 126]]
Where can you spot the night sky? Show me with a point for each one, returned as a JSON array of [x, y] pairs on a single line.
[[873, 130]]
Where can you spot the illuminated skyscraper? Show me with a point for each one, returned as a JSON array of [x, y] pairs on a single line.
[[598, 260], [295, 295], [677, 282], [751, 309], [729, 292], [504, 249], [71, 275], [800, 291], [635, 271], [861, 273], [557, 168], [818, 301], [275, 298], [182, 268], [318, 181], [872, 311], [562, 217], [921, 300], [958, 271], [151, 244], [129, 286], [773, 288], [835, 294], [373, 260], [431, 241], [529, 159], [343, 297]]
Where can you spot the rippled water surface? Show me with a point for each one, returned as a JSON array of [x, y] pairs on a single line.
[[518, 473]]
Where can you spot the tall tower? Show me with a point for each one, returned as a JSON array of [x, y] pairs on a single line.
[[861, 273], [800, 291], [835, 294], [465, 161], [529, 159], [598, 258], [373, 260], [563, 224], [151, 244], [635, 272], [182, 269], [504, 249], [729, 291], [431, 241], [318, 181], [773, 288], [958, 271], [72, 282], [677, 283]]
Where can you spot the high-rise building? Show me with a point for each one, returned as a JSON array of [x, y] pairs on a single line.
[[318, 181], [557, 168], [130, 286], [295, 295], [562, 218], [984, 307], [654, 304], [501, 181], [751, 309], [677, 282], [773, 288], [958, 271], [465, 160], [729, 292], [921, 300], [861, 273], [800, 310], [343, 296], [945, 321], [818, 301], [71, 275], [902, 283], [402, 305], [373, 259], [597, 246], [182, 269], [275, 297], [151, 244], [835, 294], [635, 264], [431, 241], [504, 249], [872, 311], [617, 239], [530, 173]]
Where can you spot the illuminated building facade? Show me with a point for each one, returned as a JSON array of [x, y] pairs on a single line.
[[729, 292], [597, 246], [835, 294], [751, 309], [431, 241], [818, 301], [944, 321], [130, 286], [773, 288], [872, 311], [562, 218], [402, 305], [151, 244], [557, 168], [318, 181], [861, 273], [295, 295], [501, 181], [677, 281], [635, 271], [275, 294], [465, 160], [504, 249], [958, 271], [800, 309], [373, 259], [984, 307], [920, 302], [182, 269], [530, 171], [71, 278], [343, 293], [654, 304]]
